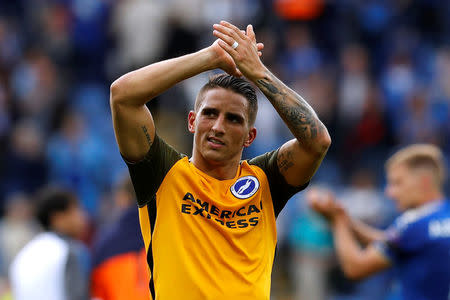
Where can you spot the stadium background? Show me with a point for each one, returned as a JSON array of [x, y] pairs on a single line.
[[377, 72]]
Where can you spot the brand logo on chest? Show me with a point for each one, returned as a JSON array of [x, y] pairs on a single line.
[[245, 187]]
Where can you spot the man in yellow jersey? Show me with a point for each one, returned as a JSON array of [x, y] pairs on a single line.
[[208, 221]]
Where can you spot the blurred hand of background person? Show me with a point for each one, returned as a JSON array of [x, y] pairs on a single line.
[[324, 202]]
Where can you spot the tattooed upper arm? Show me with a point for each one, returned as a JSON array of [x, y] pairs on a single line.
[[285, 161], [147, 135], [134, 129]]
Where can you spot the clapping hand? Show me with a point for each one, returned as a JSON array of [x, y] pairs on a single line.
[[242, 47], [323, 201]]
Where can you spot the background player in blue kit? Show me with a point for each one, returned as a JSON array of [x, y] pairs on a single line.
[[417, 244]]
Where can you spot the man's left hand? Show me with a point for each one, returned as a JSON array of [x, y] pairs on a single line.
[[247, 52]]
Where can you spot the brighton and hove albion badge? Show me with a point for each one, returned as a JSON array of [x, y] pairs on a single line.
[[245, 187]]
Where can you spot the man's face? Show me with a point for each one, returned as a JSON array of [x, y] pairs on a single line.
[[220, 126], [76, 221], [404, 186]]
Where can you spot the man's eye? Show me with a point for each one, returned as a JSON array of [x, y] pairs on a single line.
[[209, 113], [235, 120]]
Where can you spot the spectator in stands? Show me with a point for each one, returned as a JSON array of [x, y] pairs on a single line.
[[54, 265], [119, 252]]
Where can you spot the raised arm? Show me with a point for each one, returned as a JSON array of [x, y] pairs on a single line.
[[299, 158], [133, 122], [356, 262], [365, 233]]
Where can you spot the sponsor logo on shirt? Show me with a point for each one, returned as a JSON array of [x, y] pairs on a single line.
[[245, 216], [245, 187]]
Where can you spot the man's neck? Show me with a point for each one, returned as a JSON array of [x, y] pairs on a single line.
[[431, 197], [218, 170]]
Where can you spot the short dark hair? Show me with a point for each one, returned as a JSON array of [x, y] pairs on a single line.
[[50, 201], [235, 84]]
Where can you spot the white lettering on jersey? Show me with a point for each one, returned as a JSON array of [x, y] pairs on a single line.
[[439, 228]]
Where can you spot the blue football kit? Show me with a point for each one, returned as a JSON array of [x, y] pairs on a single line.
[[418, 246]]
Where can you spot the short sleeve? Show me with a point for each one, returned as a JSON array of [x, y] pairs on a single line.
[[400, 240], [148, 174], [280, 190]]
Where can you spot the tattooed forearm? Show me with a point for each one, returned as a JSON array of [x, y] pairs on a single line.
[[147, 135], [295, 111], [270, 87]]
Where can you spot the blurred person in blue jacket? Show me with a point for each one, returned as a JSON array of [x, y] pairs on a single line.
[[417, 244]]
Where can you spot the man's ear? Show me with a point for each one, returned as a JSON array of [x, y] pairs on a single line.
[[191, 121], [251, 137], [427, 180]]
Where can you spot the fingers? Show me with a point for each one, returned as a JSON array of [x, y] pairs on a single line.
[[251, 33], [329, 198], [226, 34], [225, 46], [314, 199], [241, 46], [321, 201], [224, 37], [233, 28], [230, 33]]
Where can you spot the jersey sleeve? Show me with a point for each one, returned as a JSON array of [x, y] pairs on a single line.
[[280, 190], [148, 174], [400, 240]]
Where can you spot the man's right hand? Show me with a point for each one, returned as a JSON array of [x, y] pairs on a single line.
[[224, 61]]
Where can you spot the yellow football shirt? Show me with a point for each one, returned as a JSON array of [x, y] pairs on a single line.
[[208, 238]]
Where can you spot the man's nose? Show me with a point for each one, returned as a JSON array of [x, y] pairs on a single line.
[[219, 126]]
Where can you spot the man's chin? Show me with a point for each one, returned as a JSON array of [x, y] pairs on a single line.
[[402, 207], [215, 157]]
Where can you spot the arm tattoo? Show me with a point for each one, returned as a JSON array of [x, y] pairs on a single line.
[[270, 87], [147, 135], [293, 109], [285, 160]]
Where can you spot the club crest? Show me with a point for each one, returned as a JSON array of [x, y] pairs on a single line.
[[245, 187]]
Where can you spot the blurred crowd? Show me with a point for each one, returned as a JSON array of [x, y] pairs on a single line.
[[377, 72]]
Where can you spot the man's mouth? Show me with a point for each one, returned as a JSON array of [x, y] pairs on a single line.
[[215, 141]]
